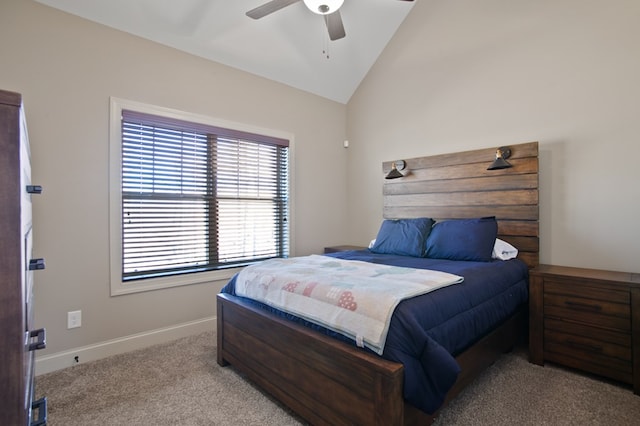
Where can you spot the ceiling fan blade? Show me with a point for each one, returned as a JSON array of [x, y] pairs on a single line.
[[334, 25], [269, 7]]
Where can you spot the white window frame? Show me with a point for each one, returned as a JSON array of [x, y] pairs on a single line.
[[117, 285]]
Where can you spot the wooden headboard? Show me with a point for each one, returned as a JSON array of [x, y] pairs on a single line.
[[459, 186]]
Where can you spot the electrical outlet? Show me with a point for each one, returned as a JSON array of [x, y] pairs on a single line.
[[74, 319]]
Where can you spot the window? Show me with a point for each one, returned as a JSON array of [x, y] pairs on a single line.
[[195, 198]]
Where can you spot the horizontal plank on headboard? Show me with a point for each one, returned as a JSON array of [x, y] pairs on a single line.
[[514, 197], [485, 156], [496, 182], [462, 212], [475, 171], [459, 186]]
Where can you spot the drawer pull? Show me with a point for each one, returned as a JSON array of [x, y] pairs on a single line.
[[584, 306], [36, 264], [41, 406], [41, 342], [584, 346], [34, 189]]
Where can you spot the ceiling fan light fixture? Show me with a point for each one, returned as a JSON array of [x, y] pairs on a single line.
[[323, 7]]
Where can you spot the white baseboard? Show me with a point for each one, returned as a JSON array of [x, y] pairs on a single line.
[[60, 360]]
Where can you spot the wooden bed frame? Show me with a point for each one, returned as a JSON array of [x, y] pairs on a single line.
[[328, 382]]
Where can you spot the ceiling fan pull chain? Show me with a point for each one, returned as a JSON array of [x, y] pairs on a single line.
[[325, 41]]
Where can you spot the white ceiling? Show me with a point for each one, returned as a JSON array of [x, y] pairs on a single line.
[[290, 46]]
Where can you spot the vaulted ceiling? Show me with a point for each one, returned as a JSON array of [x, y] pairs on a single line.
[[290, 46]]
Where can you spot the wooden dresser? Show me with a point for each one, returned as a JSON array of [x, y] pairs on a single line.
[[586, 319], [18, 340]]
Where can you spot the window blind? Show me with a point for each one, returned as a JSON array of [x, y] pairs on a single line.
[[197, 197]]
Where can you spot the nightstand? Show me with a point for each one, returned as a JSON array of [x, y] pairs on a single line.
[[335, 249], [586, 319]]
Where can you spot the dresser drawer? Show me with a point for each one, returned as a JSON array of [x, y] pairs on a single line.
[[595, 356], [28, 279], [597, 333], [600, 313], [572, 287], [610, 352], [605, 367]]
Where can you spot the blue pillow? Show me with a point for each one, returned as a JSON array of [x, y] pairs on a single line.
[[463, 239], [405, 237]]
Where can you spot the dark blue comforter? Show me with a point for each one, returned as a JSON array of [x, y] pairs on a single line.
[[426, 332]]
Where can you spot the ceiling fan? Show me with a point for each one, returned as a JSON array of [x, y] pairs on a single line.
[[329, 9]]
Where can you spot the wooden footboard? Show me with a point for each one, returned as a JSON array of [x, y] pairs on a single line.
[[328, 382], [325, 381]]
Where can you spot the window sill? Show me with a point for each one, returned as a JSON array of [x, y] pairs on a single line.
[[119, 288]]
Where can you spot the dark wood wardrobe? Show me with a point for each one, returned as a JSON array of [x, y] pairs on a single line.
[[18, 339]]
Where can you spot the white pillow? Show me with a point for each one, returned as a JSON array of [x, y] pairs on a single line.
[[503, 250]]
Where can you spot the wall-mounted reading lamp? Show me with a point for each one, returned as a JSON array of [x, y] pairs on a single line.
[[500, 162], [396, 166]]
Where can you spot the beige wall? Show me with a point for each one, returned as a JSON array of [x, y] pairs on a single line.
[[67, 68], [467, 74]]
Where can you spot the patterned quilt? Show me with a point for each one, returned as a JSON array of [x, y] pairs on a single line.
[[350, 297]]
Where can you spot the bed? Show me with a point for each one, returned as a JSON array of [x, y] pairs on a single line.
[[327, 380]]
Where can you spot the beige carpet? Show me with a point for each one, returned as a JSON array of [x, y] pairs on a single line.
[[179, 383]]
